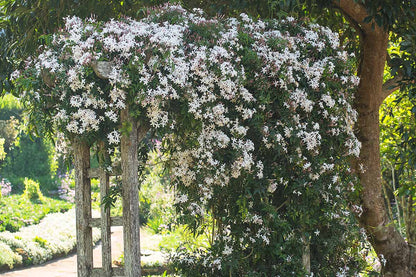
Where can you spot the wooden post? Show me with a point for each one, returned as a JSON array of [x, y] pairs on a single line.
[[83, 208], [306, 255], [130, 194], [105, 217]]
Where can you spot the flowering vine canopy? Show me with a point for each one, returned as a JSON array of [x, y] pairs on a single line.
[[256, 115]]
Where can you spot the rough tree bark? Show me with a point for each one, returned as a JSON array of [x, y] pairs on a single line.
[[386, 240]]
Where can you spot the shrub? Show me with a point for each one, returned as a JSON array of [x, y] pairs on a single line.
[[32, 191], [5, 187], [7, 257], [10, 106], [32, 158], [9, 131], [17, 211], [2, 153], [54, 236], [22, 150]]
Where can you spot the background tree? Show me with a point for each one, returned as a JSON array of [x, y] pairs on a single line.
[[397, 163]]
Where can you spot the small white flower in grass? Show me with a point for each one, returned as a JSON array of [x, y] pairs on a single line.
[[15, 75], [113, 137], [312, 139], [72, 127], [256, 219], [217, 263], [327, 99]]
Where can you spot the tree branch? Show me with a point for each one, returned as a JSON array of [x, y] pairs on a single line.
[[355, 13], [354, 24], [391, 86]]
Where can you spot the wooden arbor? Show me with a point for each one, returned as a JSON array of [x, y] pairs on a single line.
[[130, 200]]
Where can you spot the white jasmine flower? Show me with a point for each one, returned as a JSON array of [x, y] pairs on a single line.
[[113, 137]]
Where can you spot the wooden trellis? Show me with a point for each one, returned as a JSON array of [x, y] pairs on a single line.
[[130, 200]]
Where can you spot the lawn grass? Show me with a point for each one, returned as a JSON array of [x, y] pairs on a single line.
[[17, 211]]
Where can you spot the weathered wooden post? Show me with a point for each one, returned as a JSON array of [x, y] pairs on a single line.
[[105, 216], [306, 256], [83, 208], [130, 195]]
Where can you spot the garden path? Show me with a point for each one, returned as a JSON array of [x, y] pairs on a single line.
[[67, 266]]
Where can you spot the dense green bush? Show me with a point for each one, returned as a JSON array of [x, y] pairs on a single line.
[[31, 158], [32, 191], [26, 156], [2, 153], [10, 106]]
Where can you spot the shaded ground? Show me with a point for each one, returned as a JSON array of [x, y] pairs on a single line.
[[67, 266]]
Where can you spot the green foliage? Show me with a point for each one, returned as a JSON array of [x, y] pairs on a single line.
[[183, 237], [2, 153], [10, 107], [154, 223], [156, 199], [17, 211], [397, 136], [42, 242], [31, 158], [26, 156], [155, 196], [32, 191], [9, 130]]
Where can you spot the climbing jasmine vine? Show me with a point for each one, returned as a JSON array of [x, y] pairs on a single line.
[[256, 116]]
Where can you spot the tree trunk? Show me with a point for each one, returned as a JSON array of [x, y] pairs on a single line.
[[386, 240]]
